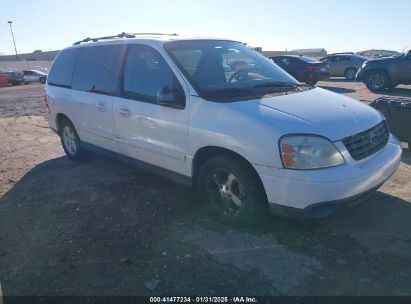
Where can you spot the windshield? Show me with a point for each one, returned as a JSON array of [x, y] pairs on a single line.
[[227, 69], [309, 59]]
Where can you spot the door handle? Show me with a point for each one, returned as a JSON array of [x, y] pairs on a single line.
[[101, 106], [124, 111]]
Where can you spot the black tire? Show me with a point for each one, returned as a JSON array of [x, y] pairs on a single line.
[[409, 145], [225, 177], [377, 81], [70, 140], [311, 81], [350, 73], [42, 80]]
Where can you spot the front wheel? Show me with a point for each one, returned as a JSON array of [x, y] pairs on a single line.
[[376, 81], [232, 190], [70, 140]]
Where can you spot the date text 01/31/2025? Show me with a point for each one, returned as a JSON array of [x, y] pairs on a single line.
[[236, 299]]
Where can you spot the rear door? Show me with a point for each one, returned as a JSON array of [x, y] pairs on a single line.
[[404, 69], [332, 61], [339, 65], [95, 82], [148, 131], [29, 76]]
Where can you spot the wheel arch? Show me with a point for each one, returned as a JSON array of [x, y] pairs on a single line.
[[59, 118], [350, 68], [205, 153]]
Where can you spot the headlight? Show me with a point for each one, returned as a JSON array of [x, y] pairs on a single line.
[[309, 152]]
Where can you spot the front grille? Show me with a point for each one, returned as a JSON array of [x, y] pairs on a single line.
[[368, 142]]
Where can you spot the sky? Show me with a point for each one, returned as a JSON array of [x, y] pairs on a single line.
[[337, 26]]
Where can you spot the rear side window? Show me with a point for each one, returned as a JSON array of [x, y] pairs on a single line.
[[62, 70], [97, 69], [146, 73], [343, 58]]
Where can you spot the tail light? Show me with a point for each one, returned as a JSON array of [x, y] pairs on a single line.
[[311, 67], [46, 103]]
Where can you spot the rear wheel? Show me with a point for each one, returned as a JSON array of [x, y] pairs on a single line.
[[42, 80], [311, 80], [70, 140], [350, 74], [232, 190], [377, 81]]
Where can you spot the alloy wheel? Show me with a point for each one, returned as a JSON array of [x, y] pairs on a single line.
[[69, 140], [350, 74], [376, 81], [225, 193]]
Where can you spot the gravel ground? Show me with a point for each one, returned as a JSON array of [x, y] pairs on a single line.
[[101, 227], [22, 100]]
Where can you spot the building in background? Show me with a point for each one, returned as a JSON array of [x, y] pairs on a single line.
[[316, 53]]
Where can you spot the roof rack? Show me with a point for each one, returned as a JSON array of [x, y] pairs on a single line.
[[122, 35]]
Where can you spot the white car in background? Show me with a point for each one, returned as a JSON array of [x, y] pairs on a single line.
[[31, 76], [249, 138]]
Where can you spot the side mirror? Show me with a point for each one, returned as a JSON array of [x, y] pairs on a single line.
[[173, 98]]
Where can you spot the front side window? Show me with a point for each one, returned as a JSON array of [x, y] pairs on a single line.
[[146, 74], [226, 69]]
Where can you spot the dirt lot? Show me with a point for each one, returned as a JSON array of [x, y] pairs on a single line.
[[101, 227]]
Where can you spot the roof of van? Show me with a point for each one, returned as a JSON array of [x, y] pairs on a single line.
[[130, 38]]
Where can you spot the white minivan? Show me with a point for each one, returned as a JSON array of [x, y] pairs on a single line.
[[221, 117]]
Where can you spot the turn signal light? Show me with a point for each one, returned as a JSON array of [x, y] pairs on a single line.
[[287, 152]]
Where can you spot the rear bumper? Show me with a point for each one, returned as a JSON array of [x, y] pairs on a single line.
[[319, 76], [318, 193], [323, 76]]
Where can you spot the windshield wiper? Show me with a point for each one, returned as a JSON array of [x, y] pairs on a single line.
[[278, 84], [229, 90]]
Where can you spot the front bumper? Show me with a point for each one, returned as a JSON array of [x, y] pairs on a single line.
[[360, 75], [318, 193]]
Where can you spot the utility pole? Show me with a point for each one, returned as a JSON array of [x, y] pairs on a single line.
[[14, 42]]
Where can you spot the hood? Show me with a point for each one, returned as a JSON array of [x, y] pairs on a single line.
[[315, 111]]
